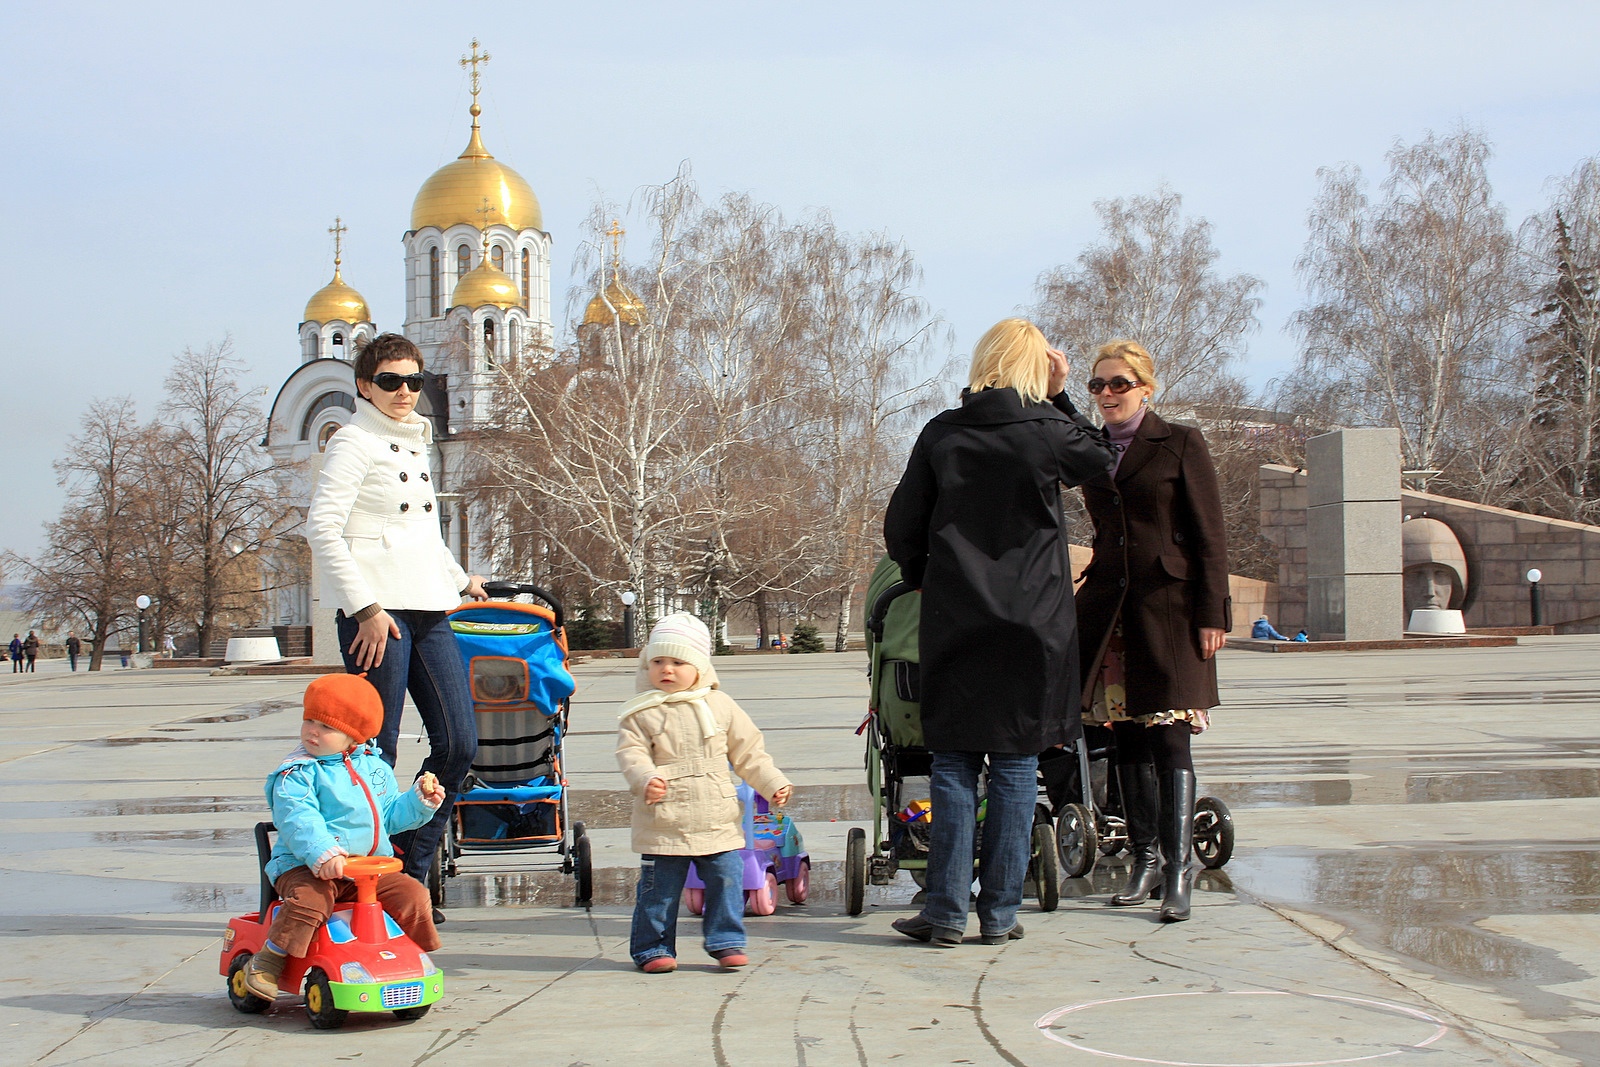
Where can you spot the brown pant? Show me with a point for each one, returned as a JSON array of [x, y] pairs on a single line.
[[309, 900]]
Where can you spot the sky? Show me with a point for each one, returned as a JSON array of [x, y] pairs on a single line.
[[170, 170]]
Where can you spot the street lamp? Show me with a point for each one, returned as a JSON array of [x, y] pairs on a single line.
[[1535, 601], [628, 599], [143, 604]]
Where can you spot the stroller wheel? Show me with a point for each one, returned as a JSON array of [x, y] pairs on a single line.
[[1042, 869], [584, 871], [855, 871], [1077, 844], [1213, 832]]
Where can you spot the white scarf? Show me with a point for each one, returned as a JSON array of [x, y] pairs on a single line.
[[655, 698], [413, 433]]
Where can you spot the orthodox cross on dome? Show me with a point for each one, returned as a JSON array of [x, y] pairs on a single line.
[[615, 233], [488, 212], [338, 229], [472, 62]]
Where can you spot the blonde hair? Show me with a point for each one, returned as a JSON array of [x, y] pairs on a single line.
[[1133, 354], [1011, 355]]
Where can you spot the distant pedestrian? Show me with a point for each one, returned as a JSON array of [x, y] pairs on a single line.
[[1302, 637], [15, 648], [1263, 630], [74, 646], [30, 648], [169, 647]]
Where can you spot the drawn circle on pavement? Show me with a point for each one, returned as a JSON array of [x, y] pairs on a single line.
[[1174, 1024]]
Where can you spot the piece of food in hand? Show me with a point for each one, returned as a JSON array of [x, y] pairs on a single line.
[[428, 782]]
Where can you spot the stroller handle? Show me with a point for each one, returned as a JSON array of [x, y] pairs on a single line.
[[880, 607], [507, 590]]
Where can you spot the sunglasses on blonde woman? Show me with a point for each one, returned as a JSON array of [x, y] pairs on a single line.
[[1118, 385]]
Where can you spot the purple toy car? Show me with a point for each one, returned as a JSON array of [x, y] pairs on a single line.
[[773, 853]]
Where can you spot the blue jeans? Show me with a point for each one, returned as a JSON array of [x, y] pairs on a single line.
[[425, 661], [1007, 838], [655, 908]]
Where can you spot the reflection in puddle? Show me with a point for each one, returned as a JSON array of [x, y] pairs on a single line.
[[1426, 903], [615, 886], [219, 836], [245, 712], [1431, 786], [169, 806]]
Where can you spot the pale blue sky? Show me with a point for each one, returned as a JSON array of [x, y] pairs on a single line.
[[170, 169]]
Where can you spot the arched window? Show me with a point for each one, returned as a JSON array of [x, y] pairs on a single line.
[[525, 305], [332, 399], [463, 259], [488, 343], [514, 336], [338, 342], [497, 256], [433, 282]]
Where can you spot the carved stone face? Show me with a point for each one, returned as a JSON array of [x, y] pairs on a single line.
[[1430, 585]]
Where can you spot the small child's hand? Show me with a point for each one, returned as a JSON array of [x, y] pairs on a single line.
[[781, 797], [429, 789], [332, 869], [655, 791]]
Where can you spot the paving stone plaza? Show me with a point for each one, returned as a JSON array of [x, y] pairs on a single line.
[[1416, 880]]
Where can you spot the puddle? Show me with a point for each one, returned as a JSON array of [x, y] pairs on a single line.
[[220, 836], [610, 809], [170, 806], [245, 712], [1425, 903], [1420, 787]]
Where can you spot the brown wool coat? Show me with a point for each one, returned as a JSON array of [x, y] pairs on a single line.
[[1161, 562]]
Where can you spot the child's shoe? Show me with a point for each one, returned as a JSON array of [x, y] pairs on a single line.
[[731, 958], [261, 974], [659, 965]]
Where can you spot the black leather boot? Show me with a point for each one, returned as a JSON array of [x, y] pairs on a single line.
[[1141, 807], [1177, 841]]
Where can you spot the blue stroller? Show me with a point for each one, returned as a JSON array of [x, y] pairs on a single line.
[[515, 797]]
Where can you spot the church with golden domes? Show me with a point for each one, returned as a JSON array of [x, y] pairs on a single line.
[[477, 283]]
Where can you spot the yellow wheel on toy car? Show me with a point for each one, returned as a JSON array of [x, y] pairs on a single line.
[[238, 994], [319, 1002]]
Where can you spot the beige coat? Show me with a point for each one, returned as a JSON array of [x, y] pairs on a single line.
[[688, 739]]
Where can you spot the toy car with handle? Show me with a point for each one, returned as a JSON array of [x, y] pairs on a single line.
[[774, 855], [359, 960]]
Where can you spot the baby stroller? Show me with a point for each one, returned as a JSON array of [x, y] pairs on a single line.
[[1084, 833], [899, 767], [514, 799], [774, 854]]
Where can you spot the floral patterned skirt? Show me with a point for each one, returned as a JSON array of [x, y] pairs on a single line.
[[1110, 695]]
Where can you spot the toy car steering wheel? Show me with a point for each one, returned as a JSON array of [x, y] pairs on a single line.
[[365, 871]]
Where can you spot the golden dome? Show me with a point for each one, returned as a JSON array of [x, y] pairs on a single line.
[[456, 192], [336, 301], [628, 305], [484, 285]]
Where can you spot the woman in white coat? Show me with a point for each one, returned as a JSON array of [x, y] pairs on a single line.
[[373, 527]]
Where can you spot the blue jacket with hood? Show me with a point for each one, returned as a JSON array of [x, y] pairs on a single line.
[[322, 804]]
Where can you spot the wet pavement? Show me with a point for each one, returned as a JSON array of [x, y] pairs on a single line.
[[1417, 874]]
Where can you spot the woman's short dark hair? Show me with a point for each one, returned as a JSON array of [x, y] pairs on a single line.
[[382, 349]]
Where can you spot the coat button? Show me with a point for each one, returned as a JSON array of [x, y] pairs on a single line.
[[427, 507], [394, 448], [404, 476], [1121, 582], [1121, 541], [1117, 500], [424, 477], [405, 507]]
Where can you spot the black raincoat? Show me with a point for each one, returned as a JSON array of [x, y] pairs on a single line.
[[976, 523]]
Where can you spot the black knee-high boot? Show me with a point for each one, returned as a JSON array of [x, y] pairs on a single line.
[[1141, 807], [1177, 840]]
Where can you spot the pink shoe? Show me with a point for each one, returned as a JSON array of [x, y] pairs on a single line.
[[659, 965], [731, 958]]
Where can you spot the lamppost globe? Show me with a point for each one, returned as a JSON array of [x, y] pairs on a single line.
[[1535, 574], [142, 601], [629, 598]]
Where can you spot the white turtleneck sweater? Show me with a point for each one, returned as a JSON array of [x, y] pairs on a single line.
[[373, 524]]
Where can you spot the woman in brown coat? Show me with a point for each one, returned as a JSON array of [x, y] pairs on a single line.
[[1152, 613]]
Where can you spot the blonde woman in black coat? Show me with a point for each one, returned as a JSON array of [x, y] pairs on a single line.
[[1153, 611], [976, 523]]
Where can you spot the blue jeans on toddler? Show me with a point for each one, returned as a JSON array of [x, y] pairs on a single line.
[[425, 661], [655, 909], [1007, 838]]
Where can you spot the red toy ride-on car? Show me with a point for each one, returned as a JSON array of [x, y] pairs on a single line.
[[359, 960]]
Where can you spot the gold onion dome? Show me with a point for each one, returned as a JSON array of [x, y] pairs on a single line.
[[629, 307], [484, 285], [456, 192], [336, 301]]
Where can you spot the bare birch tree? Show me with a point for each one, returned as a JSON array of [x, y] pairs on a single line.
[[1413, 296], [1153, 277]]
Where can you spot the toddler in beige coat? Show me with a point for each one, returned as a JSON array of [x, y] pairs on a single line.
[[675, 741]]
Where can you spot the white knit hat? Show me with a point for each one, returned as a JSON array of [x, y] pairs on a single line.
[[680, 636]]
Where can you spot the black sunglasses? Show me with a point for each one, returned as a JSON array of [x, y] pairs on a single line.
[[1117, 385], [390, 382]]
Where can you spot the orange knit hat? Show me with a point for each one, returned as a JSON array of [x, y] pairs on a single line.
[[346, 702]]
